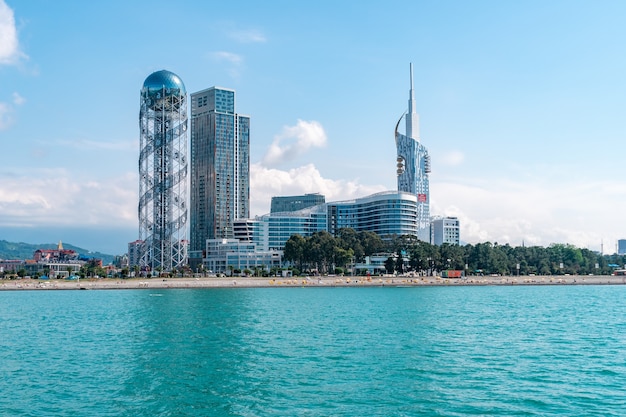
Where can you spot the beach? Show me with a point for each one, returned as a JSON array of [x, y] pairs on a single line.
[[312, 281]]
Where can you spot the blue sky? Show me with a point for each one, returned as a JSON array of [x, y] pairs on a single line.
[[521, 106]]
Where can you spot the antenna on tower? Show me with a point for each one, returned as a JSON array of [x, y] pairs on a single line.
[[412, 119]]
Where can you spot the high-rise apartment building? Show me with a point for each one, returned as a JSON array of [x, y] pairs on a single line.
[[220, 168], [414, 166], [163, 172]]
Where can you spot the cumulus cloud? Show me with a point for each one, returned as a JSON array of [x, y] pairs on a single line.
[[10, 53], [295, 140], [55, 197], [248, 36], [266, 183], [531, 212]]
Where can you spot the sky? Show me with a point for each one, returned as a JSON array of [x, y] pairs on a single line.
[[521, 107]]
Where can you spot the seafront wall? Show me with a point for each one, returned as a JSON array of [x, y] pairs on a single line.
[[326, 281]]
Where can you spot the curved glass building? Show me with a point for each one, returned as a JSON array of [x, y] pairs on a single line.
[[389, 213], [163, 172]]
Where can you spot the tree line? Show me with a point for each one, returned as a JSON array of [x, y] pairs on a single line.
[[325, 253]]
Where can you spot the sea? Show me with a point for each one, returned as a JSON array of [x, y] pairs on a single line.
[[383, 351]]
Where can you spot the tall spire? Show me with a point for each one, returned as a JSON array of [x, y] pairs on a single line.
[[412, 119]]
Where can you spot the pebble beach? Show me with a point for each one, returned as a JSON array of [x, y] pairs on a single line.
[[325, 281]]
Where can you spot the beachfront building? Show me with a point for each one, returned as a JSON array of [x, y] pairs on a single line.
[[135, 249], [413, 165], [621, 247], [163, 172], [277, 228], [220, 168], [388, 214], [445, 230], [296, 202], [224, 256]]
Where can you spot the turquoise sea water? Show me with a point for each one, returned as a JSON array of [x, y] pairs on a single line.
[[549, 350]]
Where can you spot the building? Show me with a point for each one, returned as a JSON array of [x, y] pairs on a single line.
[[621, 247], [223, 256], [413, 166], [445, 230], [55, 255], [388, 214], [296, 202], [135, 249], [277, 228], [220, 168], [163, 172]]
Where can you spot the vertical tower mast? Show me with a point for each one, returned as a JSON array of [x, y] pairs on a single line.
[[412, 118]]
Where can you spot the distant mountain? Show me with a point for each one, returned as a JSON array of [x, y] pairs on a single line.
[[21, 250]]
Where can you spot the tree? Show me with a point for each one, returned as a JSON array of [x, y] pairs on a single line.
[[390, 265], [294, 250]]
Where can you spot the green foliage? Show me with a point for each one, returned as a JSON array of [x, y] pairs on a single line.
[[322, 252]]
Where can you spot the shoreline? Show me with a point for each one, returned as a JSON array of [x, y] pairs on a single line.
[[325, 281]]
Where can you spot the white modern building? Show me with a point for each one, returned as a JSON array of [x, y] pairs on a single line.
[[445, 230], [226, 255]]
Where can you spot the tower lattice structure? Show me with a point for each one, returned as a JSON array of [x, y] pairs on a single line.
[[163, 172]]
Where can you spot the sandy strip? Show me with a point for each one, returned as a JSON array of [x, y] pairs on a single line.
[[327, 281]]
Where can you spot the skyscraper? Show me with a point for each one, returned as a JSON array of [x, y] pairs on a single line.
[[414, 165], [220, 167], [163, 172]]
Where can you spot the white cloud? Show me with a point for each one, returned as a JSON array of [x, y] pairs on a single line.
[[533, 213], [9, 45], [248, 36], [266, 183], [294, 141], [48, 197]]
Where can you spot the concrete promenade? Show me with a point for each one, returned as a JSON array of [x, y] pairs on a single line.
[[326, 281]]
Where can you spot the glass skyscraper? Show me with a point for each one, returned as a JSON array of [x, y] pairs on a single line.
[[220, 167], [414, 166]]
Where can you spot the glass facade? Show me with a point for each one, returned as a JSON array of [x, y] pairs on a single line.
[[296, 202], [386, 214], [220, 167], [414, 166]]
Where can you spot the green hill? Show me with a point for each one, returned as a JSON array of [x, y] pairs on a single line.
[[21, 250]]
